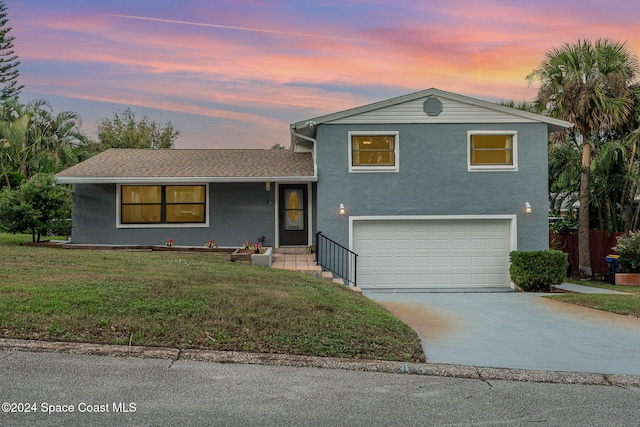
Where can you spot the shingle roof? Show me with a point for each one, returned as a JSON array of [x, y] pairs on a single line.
[[118, 164]]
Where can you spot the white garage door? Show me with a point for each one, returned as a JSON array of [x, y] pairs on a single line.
[[432, 253]]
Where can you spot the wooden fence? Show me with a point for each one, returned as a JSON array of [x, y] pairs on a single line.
[[600, 243]]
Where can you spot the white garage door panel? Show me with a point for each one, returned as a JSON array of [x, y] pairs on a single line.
[[432, 253]]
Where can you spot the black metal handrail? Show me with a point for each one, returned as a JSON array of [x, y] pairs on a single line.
[[334, 257]]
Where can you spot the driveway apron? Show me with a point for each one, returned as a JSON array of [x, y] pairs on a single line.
[[519, 331]]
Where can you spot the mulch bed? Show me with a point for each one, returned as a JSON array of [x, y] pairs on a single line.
[[143, 248]]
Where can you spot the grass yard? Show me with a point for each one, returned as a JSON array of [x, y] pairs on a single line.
[[628, 305], [189, 300]]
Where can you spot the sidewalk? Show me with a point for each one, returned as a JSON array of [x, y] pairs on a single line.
[[579, 289]]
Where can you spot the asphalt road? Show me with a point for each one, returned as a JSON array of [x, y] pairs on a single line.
[[110, 391]]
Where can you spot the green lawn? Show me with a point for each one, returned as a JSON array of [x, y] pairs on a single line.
[[189, 300], [628, 305]]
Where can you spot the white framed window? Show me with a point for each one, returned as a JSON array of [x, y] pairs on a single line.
[[162, 205], [492, 150], [374, 151]]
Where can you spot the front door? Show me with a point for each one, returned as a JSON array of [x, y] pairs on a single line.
[[293, 215]]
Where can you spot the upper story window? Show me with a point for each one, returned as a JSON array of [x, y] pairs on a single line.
[[492, 150], [373, 151], [162, 204]]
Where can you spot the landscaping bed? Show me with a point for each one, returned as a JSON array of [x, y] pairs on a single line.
[[142, 248]]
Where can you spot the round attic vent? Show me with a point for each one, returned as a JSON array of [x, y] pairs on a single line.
[[432, 106]]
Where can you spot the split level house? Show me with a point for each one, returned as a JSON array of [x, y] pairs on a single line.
[[430, 190]]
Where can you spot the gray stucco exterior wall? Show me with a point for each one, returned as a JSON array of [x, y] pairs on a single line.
[[433, 179], [237, 212]]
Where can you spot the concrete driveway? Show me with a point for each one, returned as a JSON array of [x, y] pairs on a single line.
[[518, 330]]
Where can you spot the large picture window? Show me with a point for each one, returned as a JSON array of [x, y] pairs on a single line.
[[489, 150], [162, 204], [373, 151]]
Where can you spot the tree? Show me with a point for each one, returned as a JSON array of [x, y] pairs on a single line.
[[38, 206], [614, 177], [33, 139], [54, 139], [8, 60], [587, 84], [13, 145], [564, 175], [614, 181], [124, 131]]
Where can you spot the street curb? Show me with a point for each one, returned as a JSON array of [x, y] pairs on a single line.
[[427, 369]]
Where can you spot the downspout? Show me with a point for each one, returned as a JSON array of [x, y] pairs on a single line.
[[313, 141]]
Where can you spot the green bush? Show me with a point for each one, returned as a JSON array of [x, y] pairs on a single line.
[[628, 247], [38, 206], [537, 271]]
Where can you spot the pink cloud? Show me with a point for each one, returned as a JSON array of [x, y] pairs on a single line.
[[275, 65]]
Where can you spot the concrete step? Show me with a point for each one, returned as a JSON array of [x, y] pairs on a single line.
[[291, 250], [327, 275], [298, 259]]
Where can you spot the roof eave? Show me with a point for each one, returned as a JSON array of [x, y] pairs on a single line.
[[178, 179], [555, 127]]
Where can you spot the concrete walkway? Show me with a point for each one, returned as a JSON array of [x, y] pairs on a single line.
[[580, 289], [518, 330]]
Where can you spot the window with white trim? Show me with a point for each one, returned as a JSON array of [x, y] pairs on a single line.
[[375, 151], [492, 150]]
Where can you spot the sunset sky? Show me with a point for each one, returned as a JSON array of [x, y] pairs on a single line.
[[236, 74]]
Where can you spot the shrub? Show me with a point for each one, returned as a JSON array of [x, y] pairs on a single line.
[[537, 271], [38, 206], [628, 248]]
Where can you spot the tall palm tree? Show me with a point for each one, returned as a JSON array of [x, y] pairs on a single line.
[[587, 83]]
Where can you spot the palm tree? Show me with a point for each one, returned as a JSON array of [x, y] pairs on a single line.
[[33, 139], [613, 180], [630, 212], [564, 175], [587, 84], [13, 140], [53, 139]]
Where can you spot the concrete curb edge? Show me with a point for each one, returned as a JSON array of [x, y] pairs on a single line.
[[438, 370]]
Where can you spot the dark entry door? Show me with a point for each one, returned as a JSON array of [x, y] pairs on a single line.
[[293, 215]]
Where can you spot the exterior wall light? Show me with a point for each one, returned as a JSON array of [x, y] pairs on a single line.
[[342, 209], [527, 208], [267, 186]]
